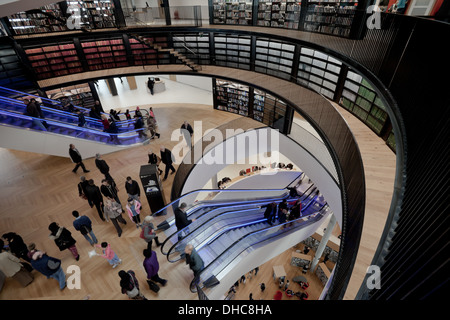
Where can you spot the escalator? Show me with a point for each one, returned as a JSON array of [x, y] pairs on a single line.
[[58, 128], [222, 232]]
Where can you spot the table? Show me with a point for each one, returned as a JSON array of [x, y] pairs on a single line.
[[299, 279], [159, 86], [278, 272]]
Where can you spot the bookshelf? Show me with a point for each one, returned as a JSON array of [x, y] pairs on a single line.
[[26, 23], [232, 12], [274, 57], [80, 95], [54, 60], [105, 54], [279, 14], [231, 97], [266, 108], [232, 50], [94, 14], [362, 100], [333, 17], [318, 71]]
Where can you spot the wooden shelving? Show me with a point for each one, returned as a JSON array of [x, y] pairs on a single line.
[[80, 95], [105, 54], [54, 60]]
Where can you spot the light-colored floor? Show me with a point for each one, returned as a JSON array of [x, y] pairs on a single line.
[[38, 189]]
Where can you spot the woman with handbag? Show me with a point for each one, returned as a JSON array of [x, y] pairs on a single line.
[[134, 211], [113, 212], [130, 285], [151, 266], [148, 232], [63, 239]]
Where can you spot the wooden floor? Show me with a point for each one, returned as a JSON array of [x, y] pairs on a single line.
[[38, 189]]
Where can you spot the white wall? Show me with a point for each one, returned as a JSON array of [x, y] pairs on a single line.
[[204, 83], [202, 173], [51, 143]]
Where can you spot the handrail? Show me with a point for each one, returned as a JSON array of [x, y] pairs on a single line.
[[118, 138], [287, 226], [306, 194], [56, 103]]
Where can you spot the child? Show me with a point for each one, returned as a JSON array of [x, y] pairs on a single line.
[[109, 254], [134, 210]]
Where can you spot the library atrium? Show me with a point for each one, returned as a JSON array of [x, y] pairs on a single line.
[[306, 141]]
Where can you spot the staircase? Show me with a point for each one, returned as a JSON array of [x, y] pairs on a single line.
[[191, 64]]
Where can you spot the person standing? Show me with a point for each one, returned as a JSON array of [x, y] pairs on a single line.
[[98, 107], [193, 259], [63, 239], [154, 159], [32, 111], [139, 126], [10, 265], [113, 212], [84, 225], [102, 166], [82, 187], [81, 118], [148, 232], [166, 158], [76, 158], [134, 211], [130, 285], [151, 267], [94, 197], [270, 212], [187, 131], [17, 246], [132, 188], [40, 112], [151, 85], [181, 220], [48, 266], [109, 190]]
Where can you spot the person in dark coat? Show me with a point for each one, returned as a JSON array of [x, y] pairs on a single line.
[[63, 239], [193, 259], [296, 210], [33, 111], [98, 107], [150, 85], [48, 266], [166, 158], [270, 212], [151, 267], [109, 190], [94, 114], [133, 189], [40, 112], [181, 219], [84, 225], [102, 166], [139, 125], [81, 118], [130, 285], [187, 131], [154, 159], [16, 245], [76, 158], [82, 187], [94, 197]]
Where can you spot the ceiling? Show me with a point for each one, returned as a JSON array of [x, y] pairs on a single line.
[[8, 7]]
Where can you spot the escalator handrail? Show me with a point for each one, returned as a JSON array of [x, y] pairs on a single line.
[[222, 213], [196, 278], [253, 202], [304, 208], [120, 123], [67, 125]]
